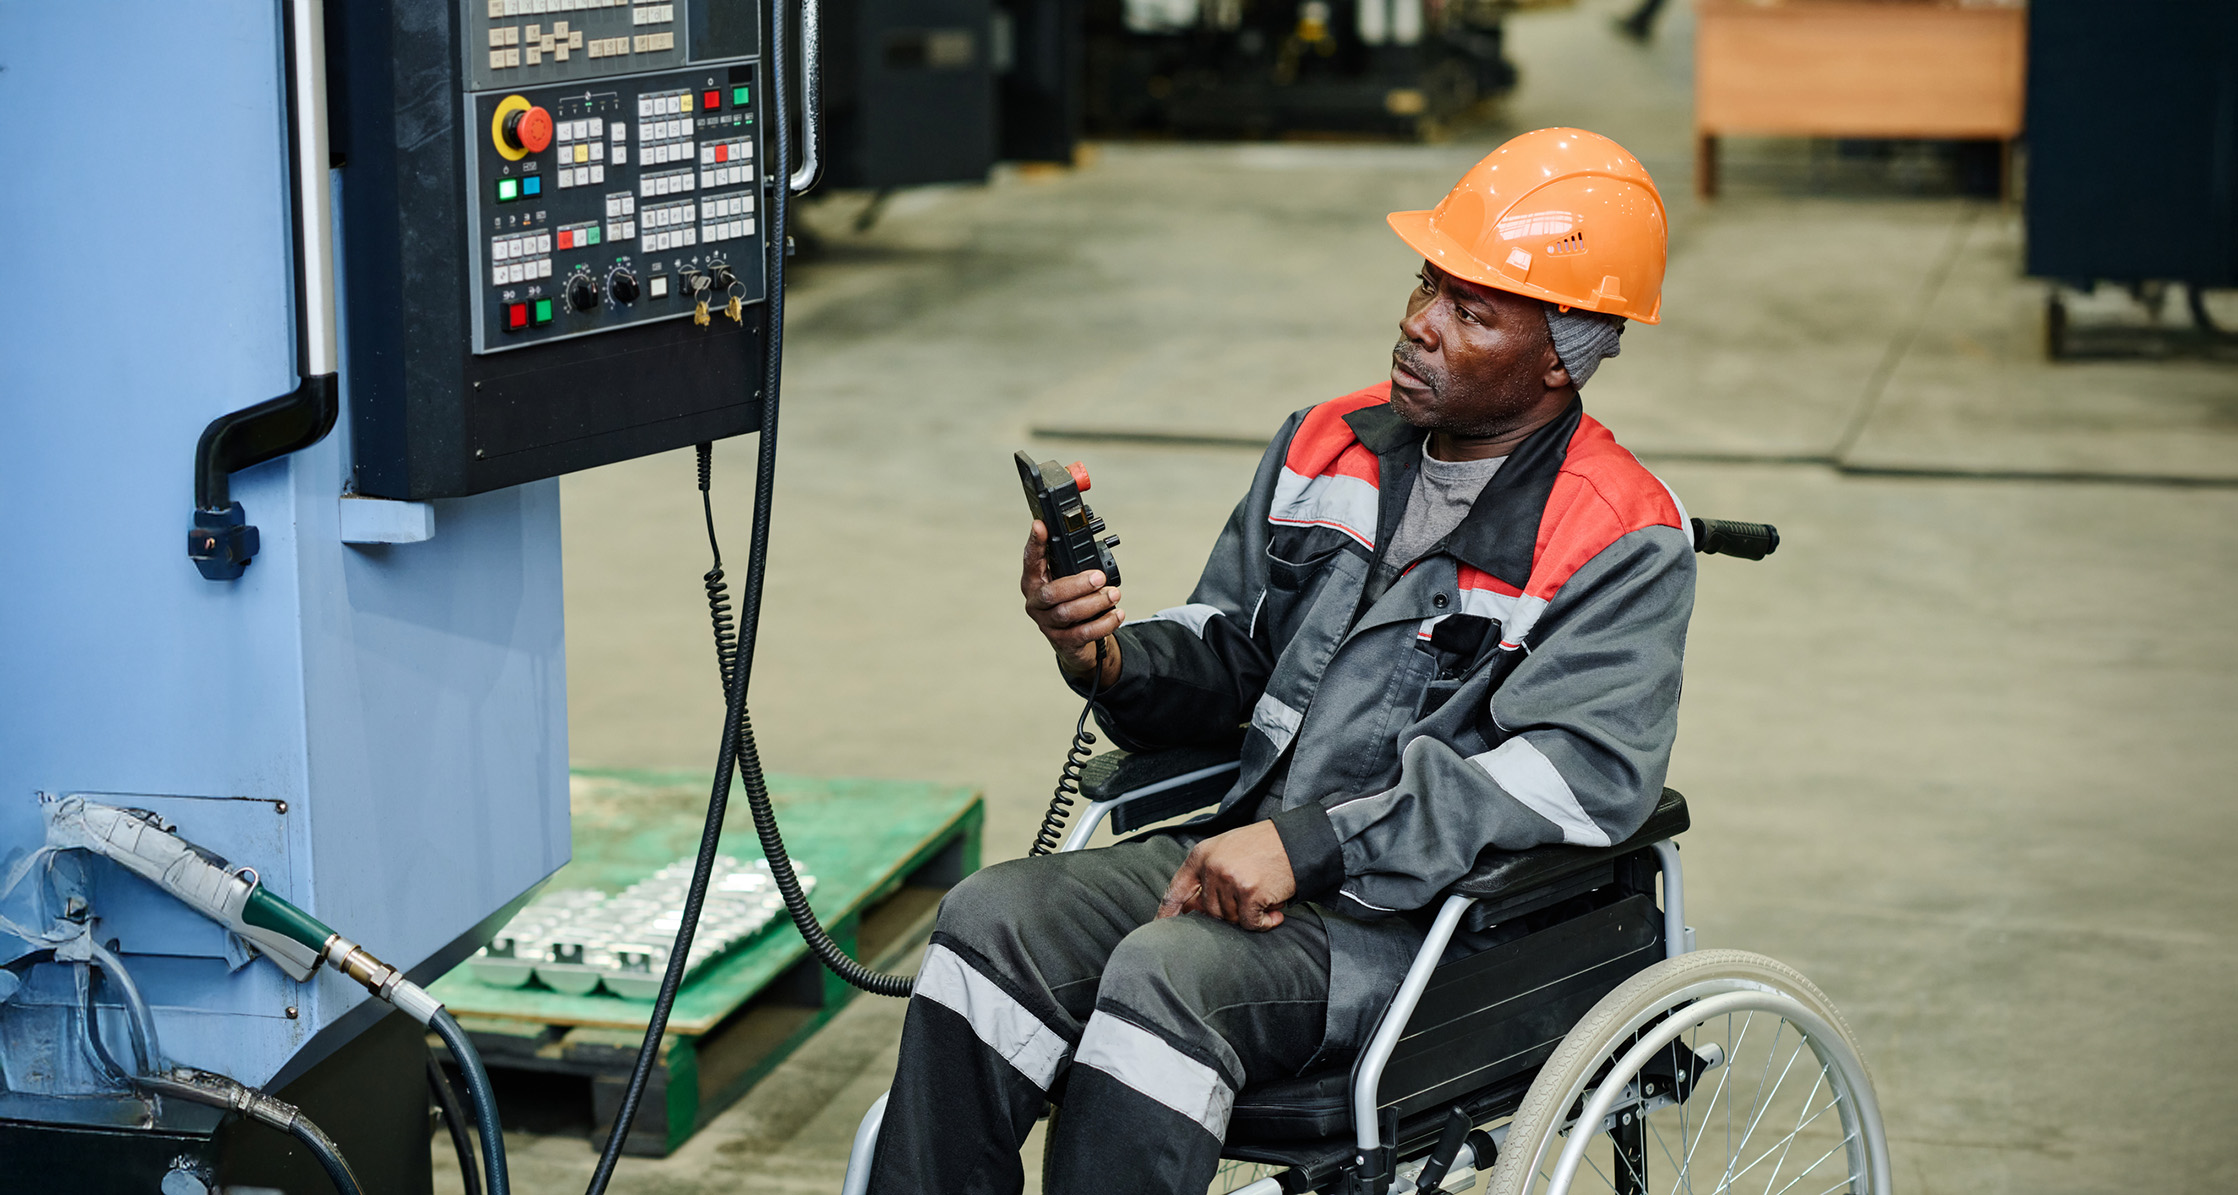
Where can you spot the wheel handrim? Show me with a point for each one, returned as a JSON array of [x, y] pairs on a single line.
[[1789, 1103]]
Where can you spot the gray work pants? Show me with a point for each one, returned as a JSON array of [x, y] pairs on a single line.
[[1048, 979]]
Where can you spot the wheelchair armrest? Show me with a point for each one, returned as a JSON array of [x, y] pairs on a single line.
[[1116, 775], [1500, 874]]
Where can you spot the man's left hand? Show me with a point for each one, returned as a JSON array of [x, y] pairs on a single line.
[[1242, 876]]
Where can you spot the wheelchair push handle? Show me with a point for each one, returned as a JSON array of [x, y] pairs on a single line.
[[1723, 537]]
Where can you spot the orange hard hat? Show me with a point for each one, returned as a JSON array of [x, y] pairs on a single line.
[[1561, 215]]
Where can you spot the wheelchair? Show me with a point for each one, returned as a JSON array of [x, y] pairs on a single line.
[[1593, 1049], [1589, 1048]]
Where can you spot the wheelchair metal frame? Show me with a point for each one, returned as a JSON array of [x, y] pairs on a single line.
[[1367, 1071]]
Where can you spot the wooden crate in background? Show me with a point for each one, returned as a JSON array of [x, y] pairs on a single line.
[[1855, 68]]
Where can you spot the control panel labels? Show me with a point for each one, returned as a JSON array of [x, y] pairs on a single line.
[[606, 205], [524, 43]]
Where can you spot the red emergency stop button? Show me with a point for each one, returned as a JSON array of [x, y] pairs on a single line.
[[516, 316], [529, 129], [1079, 475]]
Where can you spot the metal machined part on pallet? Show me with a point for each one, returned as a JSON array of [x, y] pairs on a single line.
[[577, 940]]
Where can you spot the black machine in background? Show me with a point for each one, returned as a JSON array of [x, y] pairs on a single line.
[[1257, 68], [933, 91], [909, 91], [2132, 149], [936, 91]]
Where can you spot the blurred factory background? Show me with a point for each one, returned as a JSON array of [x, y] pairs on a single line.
[[1961, 751]]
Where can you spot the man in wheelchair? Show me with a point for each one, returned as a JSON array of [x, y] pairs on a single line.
[[1448, 617]]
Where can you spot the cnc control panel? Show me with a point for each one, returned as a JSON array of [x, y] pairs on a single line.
[[617, 202], [556, 233]]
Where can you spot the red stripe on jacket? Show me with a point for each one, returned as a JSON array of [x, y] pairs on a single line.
[[1602, 494], [1325, 445]]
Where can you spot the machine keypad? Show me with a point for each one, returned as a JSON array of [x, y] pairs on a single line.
[[575, 230]]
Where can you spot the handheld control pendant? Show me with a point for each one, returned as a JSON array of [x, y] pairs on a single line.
[[1053, 495]]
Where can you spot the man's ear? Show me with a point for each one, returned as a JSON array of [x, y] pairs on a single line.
[[1554, 374]]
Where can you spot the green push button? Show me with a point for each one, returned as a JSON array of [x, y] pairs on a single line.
[[543, 311], [508, 190], [738, 97], [594, 236]]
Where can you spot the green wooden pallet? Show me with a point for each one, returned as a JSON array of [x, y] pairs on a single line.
[[882, 852]]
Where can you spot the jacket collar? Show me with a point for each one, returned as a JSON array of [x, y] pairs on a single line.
[[1397, 446], [1380, 428], [1500, 534]]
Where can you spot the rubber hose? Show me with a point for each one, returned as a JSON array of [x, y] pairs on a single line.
[[238, 1097], [144, 1039], [330, 1158], [92, 1013], [479, 1094], [454, 1119], [734, 695]]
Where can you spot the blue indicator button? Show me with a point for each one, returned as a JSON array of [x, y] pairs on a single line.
[[532, 185]]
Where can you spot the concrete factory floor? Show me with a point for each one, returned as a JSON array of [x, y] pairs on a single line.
[[1961, 751]]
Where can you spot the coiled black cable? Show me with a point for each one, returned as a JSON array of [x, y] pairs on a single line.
[[736, 752], [1052, 831], [718, 590], [729, 652]]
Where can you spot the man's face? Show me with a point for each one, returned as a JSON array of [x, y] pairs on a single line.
[[1471, 360]]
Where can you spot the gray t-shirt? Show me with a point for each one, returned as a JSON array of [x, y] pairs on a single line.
[[1443, 493]]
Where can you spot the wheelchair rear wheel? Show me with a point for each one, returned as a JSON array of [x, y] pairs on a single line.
[[1715, 1071]]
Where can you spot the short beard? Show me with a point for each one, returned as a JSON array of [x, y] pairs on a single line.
[[1516, 395]]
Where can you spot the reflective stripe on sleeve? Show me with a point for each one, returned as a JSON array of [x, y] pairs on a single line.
[[1194, 616], [1526, 774]]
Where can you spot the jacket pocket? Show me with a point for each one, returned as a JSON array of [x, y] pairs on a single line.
[[1435, 695], [1294, 579]]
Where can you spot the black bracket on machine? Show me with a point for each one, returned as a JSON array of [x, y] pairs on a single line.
[[221, 541]]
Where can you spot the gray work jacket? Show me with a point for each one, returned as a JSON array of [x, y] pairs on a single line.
[[1517, 685]]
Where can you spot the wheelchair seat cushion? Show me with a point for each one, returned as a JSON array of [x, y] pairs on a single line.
[[1313, 1105]]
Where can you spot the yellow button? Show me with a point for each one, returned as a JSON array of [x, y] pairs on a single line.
[[582, 153], [687, 104]]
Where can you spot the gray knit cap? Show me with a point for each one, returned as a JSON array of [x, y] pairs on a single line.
[[1582, 339]]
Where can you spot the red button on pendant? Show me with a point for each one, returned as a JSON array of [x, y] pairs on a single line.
[[722, 153], [711, 100], [566, 239], [516, 316]]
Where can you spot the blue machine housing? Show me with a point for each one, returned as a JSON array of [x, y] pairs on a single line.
[[379, 730]]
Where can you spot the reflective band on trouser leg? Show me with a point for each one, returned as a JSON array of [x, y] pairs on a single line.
[[1139, 1116], [1144, 1062], [975, 1072], [1003, 1024]]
